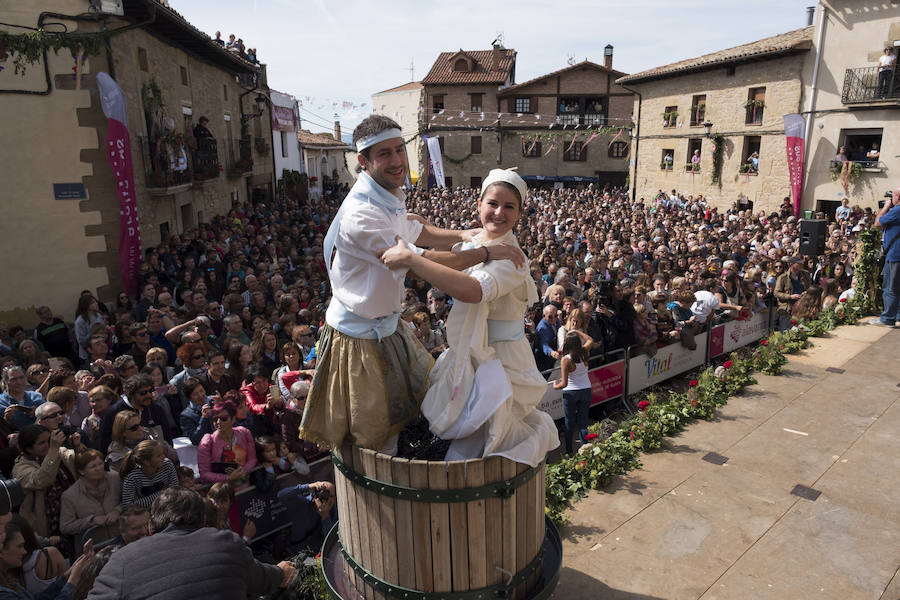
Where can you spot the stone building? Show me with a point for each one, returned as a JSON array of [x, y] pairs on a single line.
[[61, 234], [740, 94], [325, 158], [846, 106], [403, 104]]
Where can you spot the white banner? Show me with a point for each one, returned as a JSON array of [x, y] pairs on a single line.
[[552, 402], [734, 334], [437, 163], [644, 371]]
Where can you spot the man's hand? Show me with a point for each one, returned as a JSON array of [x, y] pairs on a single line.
[[396, 257], [10, 412], [204, 412], [287, 567], [468, 234], [554, 355], [249, 530], [415, 217], [508, 252]]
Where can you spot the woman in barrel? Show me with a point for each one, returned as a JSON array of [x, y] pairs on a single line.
[[489, 369]]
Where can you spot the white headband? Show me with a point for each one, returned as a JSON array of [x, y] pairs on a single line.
[[506, 176], [369, 141]]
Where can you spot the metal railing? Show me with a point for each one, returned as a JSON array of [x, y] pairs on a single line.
[[164, 165], [869, 84], [589, 119], [239, 156], [864, 164], [206, 159]]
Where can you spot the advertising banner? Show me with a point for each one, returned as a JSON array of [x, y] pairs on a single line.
[[794, 130], [437, 163], [607, 383], [732, 335], [644, 371]]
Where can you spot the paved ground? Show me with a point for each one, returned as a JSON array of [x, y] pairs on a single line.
[[681, 527]]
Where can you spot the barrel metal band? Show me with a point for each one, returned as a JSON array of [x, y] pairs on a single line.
[[499, 590], [498, 489]]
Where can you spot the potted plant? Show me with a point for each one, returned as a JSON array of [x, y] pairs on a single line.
[[754, 108]]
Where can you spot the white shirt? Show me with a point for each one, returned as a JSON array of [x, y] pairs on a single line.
[[704, 305], [358, 278], [886, 61]]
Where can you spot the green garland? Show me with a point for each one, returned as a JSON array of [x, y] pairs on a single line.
[[665, 413], [457, 161], [718, 157], [868, 289], [29, 48], [854, 175], [151, 96]]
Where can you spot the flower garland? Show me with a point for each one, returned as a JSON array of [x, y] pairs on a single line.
[[660, 415], [718, 157]]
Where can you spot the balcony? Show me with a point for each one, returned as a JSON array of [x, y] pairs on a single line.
[[692, 168], [239, 155], [206, 159], [166, 165], [587, 119], [866, 85]]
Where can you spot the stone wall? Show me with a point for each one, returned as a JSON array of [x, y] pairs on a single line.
[[726, 94]]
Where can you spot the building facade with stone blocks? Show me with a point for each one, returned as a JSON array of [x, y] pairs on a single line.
[[740, 94], [404, 104], [848, 107], [56, 245]]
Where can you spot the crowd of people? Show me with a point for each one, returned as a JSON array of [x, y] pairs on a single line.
[[219, 344], [236, 46]]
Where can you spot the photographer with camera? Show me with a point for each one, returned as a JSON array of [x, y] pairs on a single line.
[[889, 220], [45, 469], [313, 513]]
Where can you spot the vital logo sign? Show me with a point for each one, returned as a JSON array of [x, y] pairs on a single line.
[[657, 367]]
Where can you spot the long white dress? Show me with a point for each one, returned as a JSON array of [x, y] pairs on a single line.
[[486, 388]]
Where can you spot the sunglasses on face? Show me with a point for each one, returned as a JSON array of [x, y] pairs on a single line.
[[134, 427], [218, 418], [142, 334], [146, 392]]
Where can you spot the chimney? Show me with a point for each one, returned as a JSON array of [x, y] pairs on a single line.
[[607, 56], [337, 131], [496, 56], [810, 15]]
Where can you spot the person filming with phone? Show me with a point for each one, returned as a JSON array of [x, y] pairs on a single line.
[[228, 453]]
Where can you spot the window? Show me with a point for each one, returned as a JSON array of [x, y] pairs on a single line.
[[448, 181], [667, 159], [670, 116], [142, 60], [475, 182], [225, 92], [750, 155], [284, 143], [476, 144], [698, 110], [569, 106], [475, 102], [184, 79], [441, 143], [694, 155], [532, 150], [756, 102], [522, 105], [461, 65], [437, 103], [575, 152], [618, 150], [861, 146]]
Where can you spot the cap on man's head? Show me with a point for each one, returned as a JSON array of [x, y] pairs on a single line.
[[795, 260]]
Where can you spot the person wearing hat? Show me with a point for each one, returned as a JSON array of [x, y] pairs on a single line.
[[789, 286], [371, 375], [486, 387]]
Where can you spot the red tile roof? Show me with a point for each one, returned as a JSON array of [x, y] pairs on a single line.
[[318, 140], [442, 72], [792, 42], [412, 85], [585, 63]]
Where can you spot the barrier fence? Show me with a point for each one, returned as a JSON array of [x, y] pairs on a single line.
[[623, 374]]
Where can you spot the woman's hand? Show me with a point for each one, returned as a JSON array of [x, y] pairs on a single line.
[[398, 256], [508, 252], [56, 440], [468, 234], [76, 571], [249, 530], [171, 390], [236, 474]]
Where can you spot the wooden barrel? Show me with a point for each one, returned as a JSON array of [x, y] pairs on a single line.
[[409, 527]]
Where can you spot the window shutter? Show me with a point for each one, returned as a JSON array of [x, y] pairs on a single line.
[[534, 104], [511, 105]]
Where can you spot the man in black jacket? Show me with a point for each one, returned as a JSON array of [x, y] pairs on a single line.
[[183, 560], [139, 398]]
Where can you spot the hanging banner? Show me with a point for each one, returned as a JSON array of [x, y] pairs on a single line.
[[118, 147], [437, 164], [284, 118], [732, 335], [644, 371], [794, 127]]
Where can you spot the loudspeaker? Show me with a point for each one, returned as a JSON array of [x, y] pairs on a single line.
[[812, 236]]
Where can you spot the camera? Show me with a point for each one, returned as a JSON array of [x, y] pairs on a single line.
[[322, 494], [604, 292], [11, 495]]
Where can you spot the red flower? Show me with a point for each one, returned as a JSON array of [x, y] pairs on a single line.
[[319, 555], [631, 435], [842, 300], [643, 404], [693, 402], [693, 383], [764, 342], [590, 437], [581, 466], [728, 364]]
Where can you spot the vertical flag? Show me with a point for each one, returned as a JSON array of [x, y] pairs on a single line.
[[118, 148], [437, 164], [794, 127]]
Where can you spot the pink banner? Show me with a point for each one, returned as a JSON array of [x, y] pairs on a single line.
[[607, 382], [794, 130], [283, 118], [119, 146]]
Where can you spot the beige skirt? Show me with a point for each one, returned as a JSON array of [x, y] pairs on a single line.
[[365, 391]]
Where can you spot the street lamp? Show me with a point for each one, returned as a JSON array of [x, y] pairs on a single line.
[[708, 127], [261, 102]]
